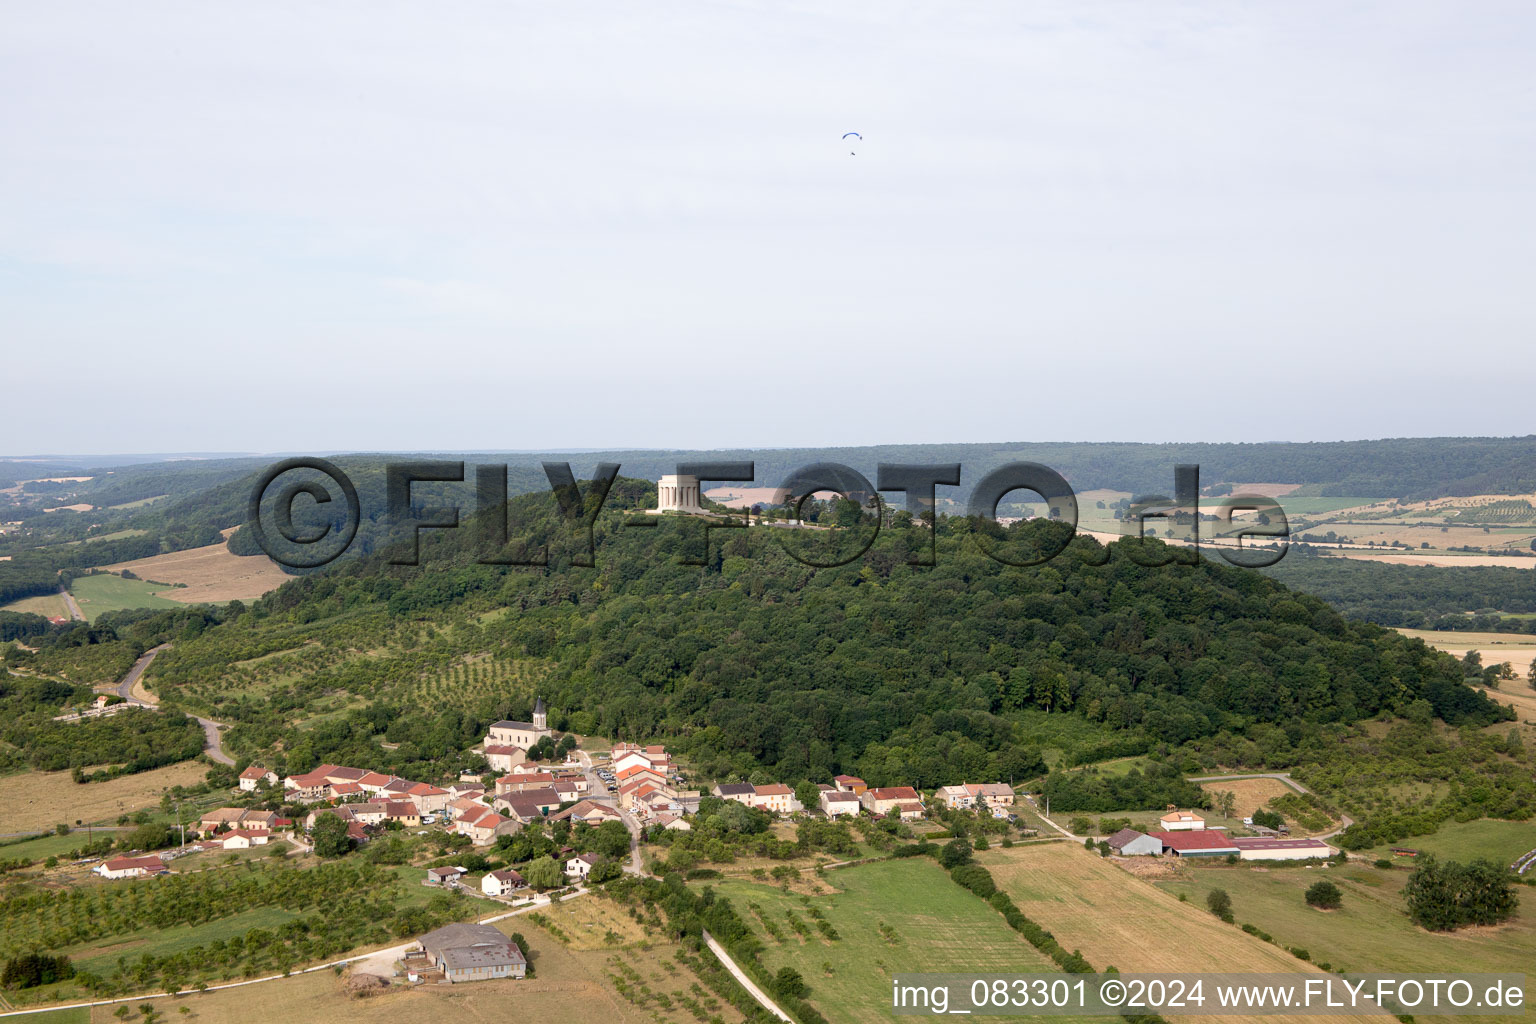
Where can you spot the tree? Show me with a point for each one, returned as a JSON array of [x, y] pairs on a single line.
[[1324, 895], [1220, 904], [330, 837], [1226, 801], [543, 873], [955, 853], [808, 794], [1267, 818], [788, 982], [611, 839], [1450, 895]]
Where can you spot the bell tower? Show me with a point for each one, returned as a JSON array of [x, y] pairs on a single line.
[[540, 717]]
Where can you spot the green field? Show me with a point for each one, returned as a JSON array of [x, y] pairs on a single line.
[[1499, 841], [48, 605], [101, 955], [104, 593], [938, 927], [1371, 931]]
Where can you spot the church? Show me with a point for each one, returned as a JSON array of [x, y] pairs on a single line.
[[521, 734]]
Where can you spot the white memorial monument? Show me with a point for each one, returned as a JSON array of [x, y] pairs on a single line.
[[678, 494]]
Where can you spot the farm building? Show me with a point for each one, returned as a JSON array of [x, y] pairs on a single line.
[[1182, 821], [1196, 843], [1265, 848], [1130, 843], [130, 867], [473, 952]]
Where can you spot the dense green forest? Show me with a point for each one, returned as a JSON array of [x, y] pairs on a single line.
[[756, 662], [1417, 596]]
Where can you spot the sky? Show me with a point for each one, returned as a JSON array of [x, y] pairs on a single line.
[[388, 226]]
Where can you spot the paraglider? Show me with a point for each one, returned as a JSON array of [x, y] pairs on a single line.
[[852, 135]]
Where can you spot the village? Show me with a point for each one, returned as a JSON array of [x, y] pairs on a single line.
[[639, 786]]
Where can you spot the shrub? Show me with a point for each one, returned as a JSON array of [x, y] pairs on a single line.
[[1324, 895], [1220, 904]]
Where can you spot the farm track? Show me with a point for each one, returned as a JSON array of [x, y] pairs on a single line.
[[212, 746]]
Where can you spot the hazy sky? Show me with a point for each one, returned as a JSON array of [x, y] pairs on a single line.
[[516, 225]]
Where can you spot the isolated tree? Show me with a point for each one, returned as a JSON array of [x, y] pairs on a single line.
[[956, 852], [1324, 895], [330, 837], [1219, 903], [1227, 802], [543, 873]]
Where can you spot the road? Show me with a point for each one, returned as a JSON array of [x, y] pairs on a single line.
[[1344, 820], [212, 745], [597, 792], [74, 609], [746, 982]]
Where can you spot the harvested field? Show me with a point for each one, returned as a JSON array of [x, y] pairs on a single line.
[[212, 574], [1519, 649], [1251, 794], [1116, 918], [39, 800]]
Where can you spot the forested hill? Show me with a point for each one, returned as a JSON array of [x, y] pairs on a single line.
[[899, 674]]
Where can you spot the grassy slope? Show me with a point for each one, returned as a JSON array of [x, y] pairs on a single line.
[[940, 926], [1371, 932], [1499, 841], [97, 595]]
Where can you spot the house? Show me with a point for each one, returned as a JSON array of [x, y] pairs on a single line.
[[130, 867], [956, 797], [260, 821], [502, 883], [1130, 843], [224, 817], [850, 784], [882, 801], [775, 798], [668, 820], [502, 756], [838, 802], [741, 792], [909, 810], [1265, 848], [994, 796], [637, 773], [369, 813], [521, 734], [473, 952], [1181, 821], [567, 791], [464, 805], [1196, 843], [521, 782], [589, 811], [581, 865], [373, 783], [244, 838], [429, 799], [519, 808], [345, 791], [444, 875], [472, 790], [335, 773], [307, 788], [255, 776], [403, 811], [484, 826], [631, 755]]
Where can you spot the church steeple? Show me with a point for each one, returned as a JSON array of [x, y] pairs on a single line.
[[540, 717]]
